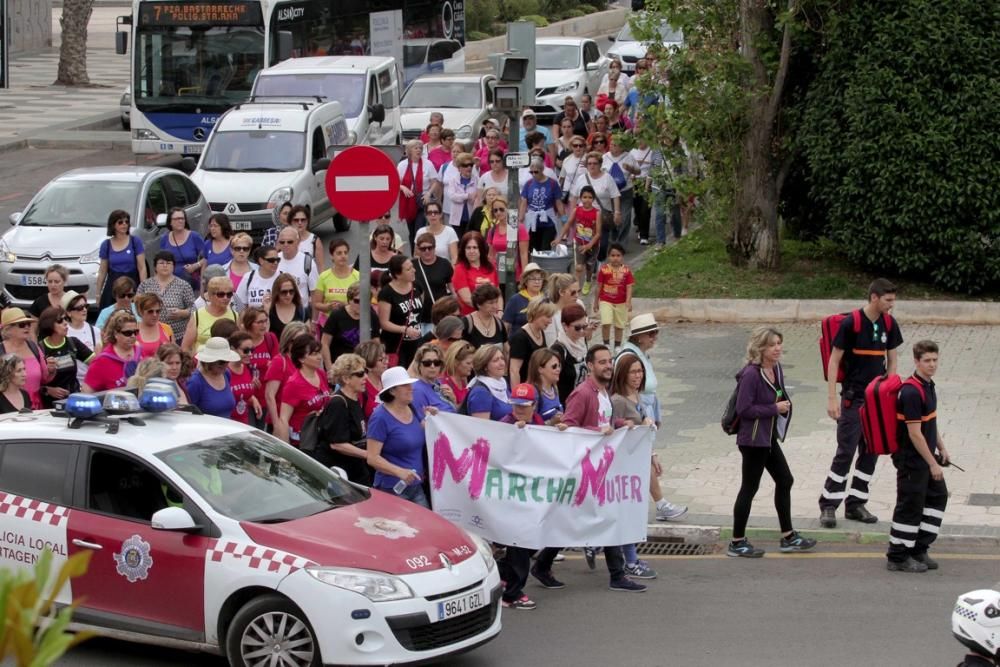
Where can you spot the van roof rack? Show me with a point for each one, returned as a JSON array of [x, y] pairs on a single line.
[[285, 99]]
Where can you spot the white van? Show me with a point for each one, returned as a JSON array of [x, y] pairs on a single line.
[[263, 153], [367, 88]]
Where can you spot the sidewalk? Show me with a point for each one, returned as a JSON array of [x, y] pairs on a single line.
[[695, 367]]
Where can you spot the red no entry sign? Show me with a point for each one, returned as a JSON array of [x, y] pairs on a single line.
[[362, 183]]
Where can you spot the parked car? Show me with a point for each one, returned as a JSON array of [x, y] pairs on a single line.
[[209, 535], [426, 55], [565, 66], [628, 50], [464, 99], [67, 220], [125, 108]]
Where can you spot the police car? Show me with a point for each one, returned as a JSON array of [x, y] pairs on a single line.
[[209, 535]]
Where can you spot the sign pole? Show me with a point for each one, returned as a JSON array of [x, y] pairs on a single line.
[[513, 201], [4, 46], [365, 276]]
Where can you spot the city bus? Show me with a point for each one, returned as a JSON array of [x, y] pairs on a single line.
[[192, 60]]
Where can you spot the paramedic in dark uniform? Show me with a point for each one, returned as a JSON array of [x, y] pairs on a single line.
[[921, 494], [865, 355]]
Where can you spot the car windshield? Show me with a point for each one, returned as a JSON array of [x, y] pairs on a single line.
[[255, 477], [254, 150], [443, 94], [348, 89], [557, 56], [79, 203], [667, 34]]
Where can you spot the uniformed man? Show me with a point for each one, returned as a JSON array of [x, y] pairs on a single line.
[[865, 354], [921, 494]]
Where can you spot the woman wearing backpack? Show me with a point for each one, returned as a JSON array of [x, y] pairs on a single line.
[[306, 392], [764, 412], [53, 338], [622, 167]]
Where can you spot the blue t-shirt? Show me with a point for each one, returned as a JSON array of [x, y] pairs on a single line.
[[122, 261], [523, 145], [424, 394], [402, 444], [188, 252], [515, 313], [208, 399], [221, 258], [481, 400], [548, 407], [541, 197], [102, 317]]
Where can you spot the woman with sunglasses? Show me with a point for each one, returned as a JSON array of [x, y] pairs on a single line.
[[176, 295], [121, 254], [540, 206], [55, 283], [493, 172], [544, 369], [572, 165], [331, 288], [434, 275], [417, 177], [116, 363], [244, 382], [80, 329], [152, 332], [342, 330], [53, 328], [299, 219], [376, 361], [286, 304], [563, 290], [218, 306], [240, 265], [496, 239], [461, 193], [13, 397], [209, 388], [529, 338], [16, 329], [446, 236], [598, 139], [342, 438], [280, 370], [217, 244], [473, 268], [579, 119], [255, 289], [458, 369], [482, 218], [123, 291], [571, 348], [186, 246], [428, 390], [306, 392]]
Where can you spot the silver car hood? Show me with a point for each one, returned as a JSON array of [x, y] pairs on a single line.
[[56, 241]]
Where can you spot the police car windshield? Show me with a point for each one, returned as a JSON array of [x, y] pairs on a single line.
[[253, 477], [255, 150]]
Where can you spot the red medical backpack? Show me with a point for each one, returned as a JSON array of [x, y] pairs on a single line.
[[879, 417]]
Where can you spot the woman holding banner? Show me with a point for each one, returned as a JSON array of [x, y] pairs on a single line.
[[489, 397]]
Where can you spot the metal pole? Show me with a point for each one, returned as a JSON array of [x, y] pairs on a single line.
[[513, 200], [365, 276]]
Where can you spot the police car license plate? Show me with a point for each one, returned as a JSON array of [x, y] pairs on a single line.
[[242, 225], [462, 604], [33, 281], [193, 149]]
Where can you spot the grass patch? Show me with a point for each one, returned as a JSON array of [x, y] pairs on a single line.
[[698, 267]]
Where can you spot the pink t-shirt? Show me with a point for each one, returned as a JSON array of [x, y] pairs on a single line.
[[304, 397], [33, 384], [498, 245], [242, 388], [149, 348], [109, 371], [472, 278], [260, 359]]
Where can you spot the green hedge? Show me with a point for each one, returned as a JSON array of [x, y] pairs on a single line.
[[539, 21]]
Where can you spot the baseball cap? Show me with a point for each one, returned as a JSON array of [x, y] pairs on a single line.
[[523, 394], [528, 112]]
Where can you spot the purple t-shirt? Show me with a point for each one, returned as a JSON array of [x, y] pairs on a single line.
[[208, 399], [122, 261], [481, 400]]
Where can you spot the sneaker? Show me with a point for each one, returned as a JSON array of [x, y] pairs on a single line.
[[670, 512], [828, 517], [684, 232], [908, 565], [743, 549], [639, 570], [523, 602], [586, 288], [589, 555], [546, 579], [660, 246], [643, 241], [796, 542], [626, 585], [860, 513], [926, 560]]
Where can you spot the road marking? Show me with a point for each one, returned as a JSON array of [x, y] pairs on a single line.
[[11, 196], [362, 183]]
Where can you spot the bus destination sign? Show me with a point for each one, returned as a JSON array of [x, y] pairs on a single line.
[[200, 13]]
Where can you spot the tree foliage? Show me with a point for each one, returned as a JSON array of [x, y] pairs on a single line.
[[902, 137]]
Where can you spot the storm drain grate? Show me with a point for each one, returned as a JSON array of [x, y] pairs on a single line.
[[984, 499], [656, 548]]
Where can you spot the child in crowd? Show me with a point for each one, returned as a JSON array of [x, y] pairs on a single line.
[[614, 294], [585, 223]]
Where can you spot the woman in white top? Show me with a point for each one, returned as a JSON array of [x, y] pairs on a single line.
[[620, 165], [496, 177], [445, 238], [75, 306], [643, 156], [572, 165], [608, 197], [460, 195], [615, 84], [417, 178], [308, 242]]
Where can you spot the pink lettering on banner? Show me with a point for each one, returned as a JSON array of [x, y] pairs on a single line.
[[472, 459], [591, 480]]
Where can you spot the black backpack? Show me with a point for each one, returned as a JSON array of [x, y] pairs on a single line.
[[731, 420]]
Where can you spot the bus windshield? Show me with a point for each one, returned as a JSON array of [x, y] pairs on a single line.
[[254, 150], [196, 69], [348, 89]]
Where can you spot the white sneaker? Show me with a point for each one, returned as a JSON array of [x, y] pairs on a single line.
[[670, 512], [643, 242]]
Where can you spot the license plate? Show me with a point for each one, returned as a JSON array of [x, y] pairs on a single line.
[[33, 281], [462, 604], [241, 225], [193, 149]]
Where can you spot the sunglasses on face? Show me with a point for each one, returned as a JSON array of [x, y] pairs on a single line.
[[224, 295], [77, 308], [287, 242], [577, 145], [23, 325], [430, 363], [154, 311], [355, 300], [599, 141], [241, 248], [425, 248], [62, 320], [499, 210], [121, 220], [131, 333], [495, 161], [130, 295], [358, 374], [534, 171], [287, 292], [433, 212], [246, 350], [272, 260], [579, 327]]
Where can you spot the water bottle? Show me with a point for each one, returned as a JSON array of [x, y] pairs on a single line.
[[401, 485]]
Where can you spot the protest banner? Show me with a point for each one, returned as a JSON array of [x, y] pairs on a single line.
[[537, 486]]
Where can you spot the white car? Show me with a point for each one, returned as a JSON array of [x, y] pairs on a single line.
[[628, 50], [565, 66], [463, 99], [209, 535]]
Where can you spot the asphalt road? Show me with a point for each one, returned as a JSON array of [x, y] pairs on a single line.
[[833, 608]]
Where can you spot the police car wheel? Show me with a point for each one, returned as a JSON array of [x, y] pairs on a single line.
[[271, 630]]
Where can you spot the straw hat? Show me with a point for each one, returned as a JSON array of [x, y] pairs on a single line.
[[216, 349], [14, 316], [67, 298]]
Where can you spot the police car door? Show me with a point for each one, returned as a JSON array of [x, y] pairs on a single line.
[[140, 579]]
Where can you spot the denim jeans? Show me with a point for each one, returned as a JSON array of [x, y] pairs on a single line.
[[415, 494], [630, 553], [667, 200]]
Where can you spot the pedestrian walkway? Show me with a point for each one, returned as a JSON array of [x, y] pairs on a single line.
[[696, 364]]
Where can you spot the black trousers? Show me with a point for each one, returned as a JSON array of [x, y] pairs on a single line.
[[613, 557], [514, 567], [755, 461], [641, 214], [920, 504], [848, 445]]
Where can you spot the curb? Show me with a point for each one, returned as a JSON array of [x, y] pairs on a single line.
[[814, 310], [61, 135]]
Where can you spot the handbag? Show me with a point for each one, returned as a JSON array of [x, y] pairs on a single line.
[[607, 217]]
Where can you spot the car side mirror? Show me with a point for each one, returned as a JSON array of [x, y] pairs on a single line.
[[321, 164], [14, 217], [592, 67], [173, 518], [376, 113], [161, 220], [188, 165], [611, 38]]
